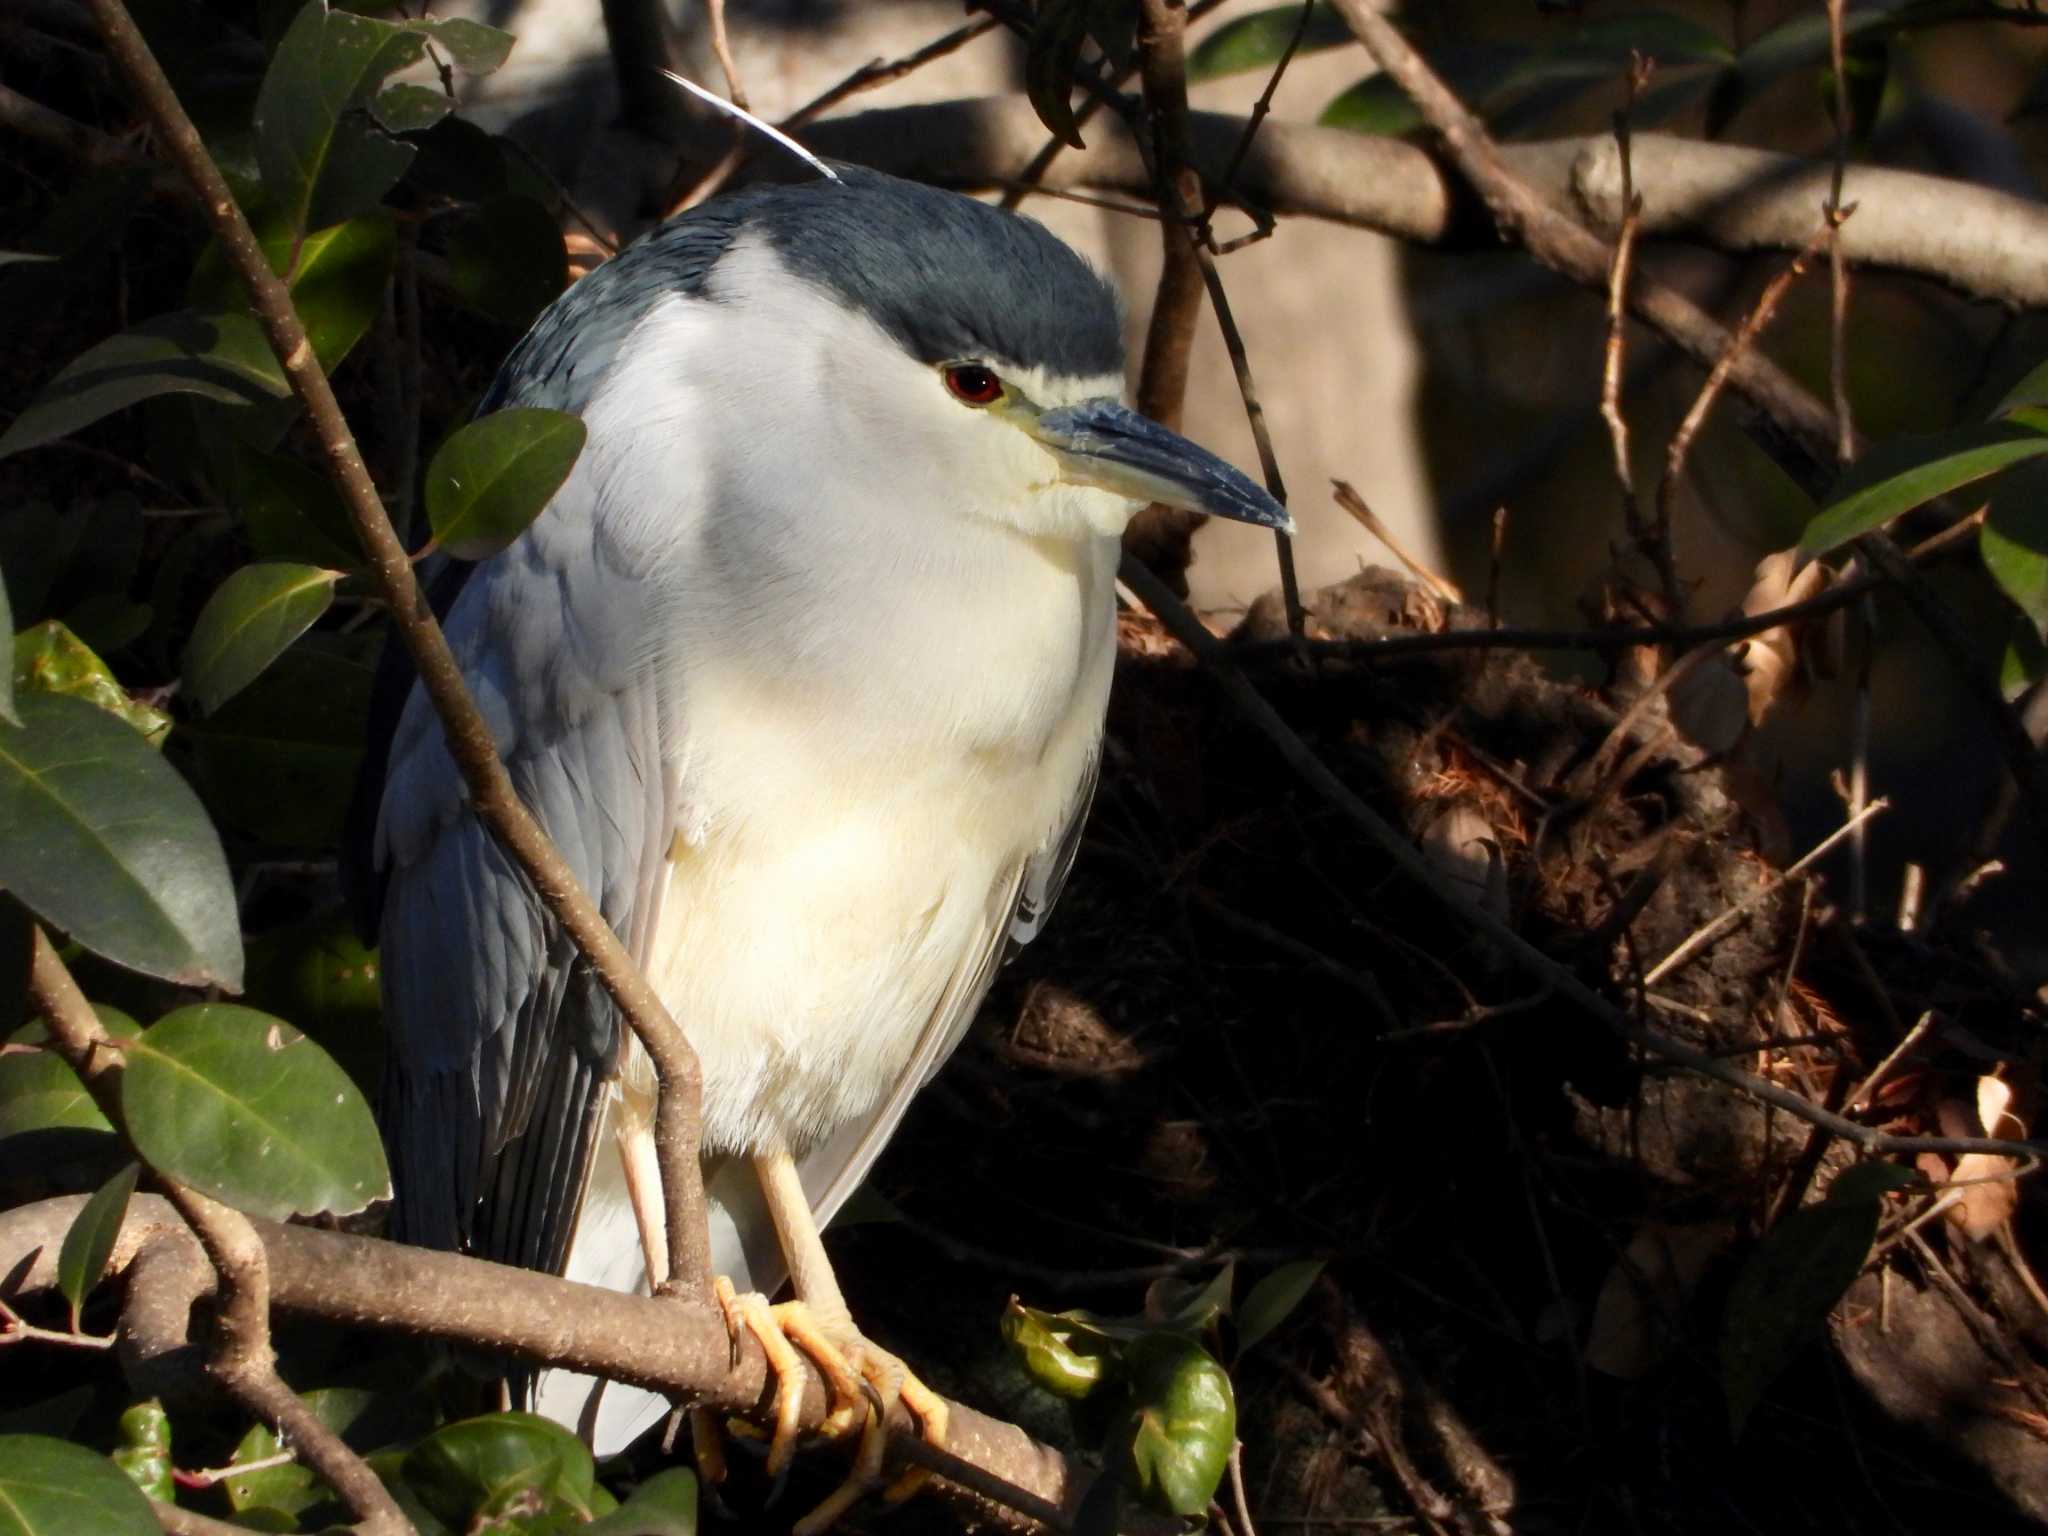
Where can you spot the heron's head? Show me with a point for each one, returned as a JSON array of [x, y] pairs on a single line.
[[904, 346]]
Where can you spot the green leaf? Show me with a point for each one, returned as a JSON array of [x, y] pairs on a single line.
[[279, 762], [321, 163], [1801, 42], [319, 974], [2014, 539], [507, 260], [492, 478], [664, 1505], [2025, 661], [1663, 36], [1793, 1279], [337, 277], [246, 1109], [409, 108], [1059, 1352], [99, 836], [53, 1488], [145, 1449], [290, 511], [39, 1091], [248, 622], [1189, 1307], [475, 48], [1273, 1300], [48, 658], [221, 357], [1375, 105], [1172, 1446], [480, 1464], [82, 1260], [1259, 41], [1897, 476], [287, 1490], [2030, 393]]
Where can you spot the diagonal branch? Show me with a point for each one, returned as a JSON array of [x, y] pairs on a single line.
[[470, 743]]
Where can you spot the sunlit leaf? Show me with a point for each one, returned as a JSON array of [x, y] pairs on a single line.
[[1897, 476], [1066, 1360], [1259, 41], [1273, 1300], [507, 260], [1173, 1445], [220, 357], [664, 1505], [496, 475], [1793, 1279], [247, 623], [48, 658], [145, 1449], [337, 277], [99, 836], [53, 1488], [478, 1464], [246, 1109], [82, 1260]]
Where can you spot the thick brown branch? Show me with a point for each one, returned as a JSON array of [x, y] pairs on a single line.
[[470, 743], [676, 1347]]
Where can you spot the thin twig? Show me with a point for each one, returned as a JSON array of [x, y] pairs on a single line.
[[1707, 932], [1855, 1102], [1349, 499], [492, 797], [880, 73]]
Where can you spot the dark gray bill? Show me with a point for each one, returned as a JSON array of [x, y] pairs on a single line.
[[1105, 444]]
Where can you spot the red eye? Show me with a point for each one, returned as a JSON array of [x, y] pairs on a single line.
[[975, 385]]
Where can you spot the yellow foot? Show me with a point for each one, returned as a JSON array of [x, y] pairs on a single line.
[[887, 1379]]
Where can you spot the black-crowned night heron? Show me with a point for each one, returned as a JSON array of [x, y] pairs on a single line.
[[804, 669]]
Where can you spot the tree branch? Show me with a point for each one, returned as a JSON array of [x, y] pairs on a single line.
[[1973, 239], [990, 1470], [469, 739]]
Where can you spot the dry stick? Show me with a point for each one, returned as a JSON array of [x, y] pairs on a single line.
[[240, 1356], [1213, 199], [1562, 244], [1614, 360], [492, 797], [678, 1348], [1349, 499], [1707, 932], [1883, 1069], [1160, 534], [1190, 631], [879, 73]]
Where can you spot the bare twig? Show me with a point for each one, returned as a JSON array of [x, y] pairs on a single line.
[[1855, 1102], [174, 1521], [879, 73], [721, 48], [1707, 932], [1349, 499], [240, 1356], [470, 743]]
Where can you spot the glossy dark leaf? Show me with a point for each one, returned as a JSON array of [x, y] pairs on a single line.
[[1173, 1445], [474, 48], [409, 108], [318, 974], [664, 1505], [247, 623], [48, 658], [1273, 1300], [53, 1488], [39, 1091], [290, 511], [246, 1109], [480, 1463], [492, 478], [1058, 1353], [2014, 539], [2031, 393], [507, 260], [1051, 56], [1259, 41], [1793, 1279], [2025, 661], [220, 357], [82, 1260], [337, 277], [320, 165], [1898, 476], [99, 836], [278, 762], [144, 1453], [282, 1493]]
